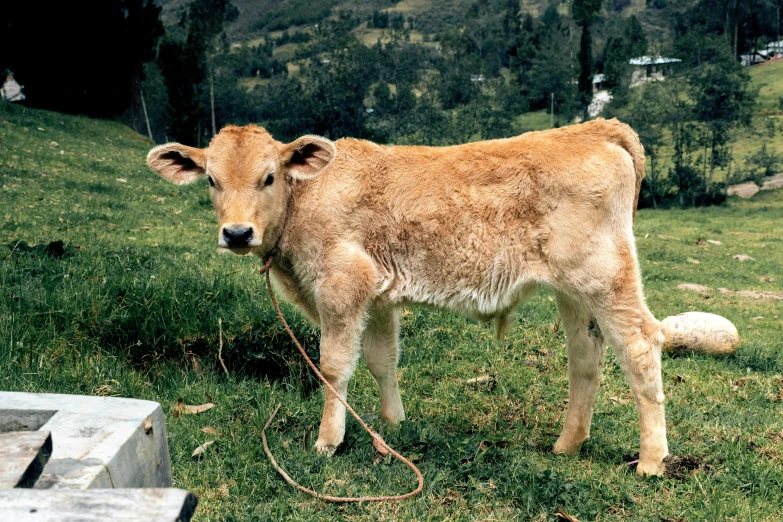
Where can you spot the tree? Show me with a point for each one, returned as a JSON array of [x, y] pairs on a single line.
[[551, 72], [339, 73], [647, 116], [723, 99], [585, 13], [628, 42], [144, 27], [512, 31], [186, 65], [69, 63], [460, 80]]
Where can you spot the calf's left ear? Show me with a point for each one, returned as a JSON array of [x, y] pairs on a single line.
[[177, 163], [306, 157]]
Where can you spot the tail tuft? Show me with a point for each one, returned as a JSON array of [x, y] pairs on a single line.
[[501, 323]]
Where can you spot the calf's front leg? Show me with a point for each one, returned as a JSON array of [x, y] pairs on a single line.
[[381, 350], [343, 297], [339, 353]]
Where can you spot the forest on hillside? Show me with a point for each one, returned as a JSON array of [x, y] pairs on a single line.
[[433, 73]]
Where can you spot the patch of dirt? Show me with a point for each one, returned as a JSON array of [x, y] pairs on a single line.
[[679, 467], [743, 190], [775, 182], [56, 249], [705, 291], [753, 294]]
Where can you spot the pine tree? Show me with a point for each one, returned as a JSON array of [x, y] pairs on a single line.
[[585, 13]]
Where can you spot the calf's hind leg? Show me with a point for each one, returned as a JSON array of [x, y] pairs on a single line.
[[381, 350], [636, 338], [586, 349]]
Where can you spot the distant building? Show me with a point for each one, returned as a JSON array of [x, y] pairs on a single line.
[[771, 51], [11, 90], [650, 68], [752, 58]]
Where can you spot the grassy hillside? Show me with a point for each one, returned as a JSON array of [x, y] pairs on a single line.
[[768, 78], [257, 16], [767, 126], [132, 310]]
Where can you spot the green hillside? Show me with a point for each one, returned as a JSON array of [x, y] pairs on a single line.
[[129, 306], [259, 16]]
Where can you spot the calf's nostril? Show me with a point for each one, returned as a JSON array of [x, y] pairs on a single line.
[[237, 236]]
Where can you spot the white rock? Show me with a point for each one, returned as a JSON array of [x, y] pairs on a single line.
[[699, 332]]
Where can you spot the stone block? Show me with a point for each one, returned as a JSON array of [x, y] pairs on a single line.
[[98, 442]]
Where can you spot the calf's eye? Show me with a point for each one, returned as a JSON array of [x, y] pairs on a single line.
[[269, 180]]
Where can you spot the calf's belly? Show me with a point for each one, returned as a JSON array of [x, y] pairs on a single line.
[[482, 298]]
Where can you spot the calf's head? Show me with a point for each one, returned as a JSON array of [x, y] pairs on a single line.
[[250, 177]]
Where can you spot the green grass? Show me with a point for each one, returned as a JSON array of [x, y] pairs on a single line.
[[134, 313], [535, 121], [769, 79]]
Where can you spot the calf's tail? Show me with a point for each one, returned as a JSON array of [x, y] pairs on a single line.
[[624, 136], [691, 332]]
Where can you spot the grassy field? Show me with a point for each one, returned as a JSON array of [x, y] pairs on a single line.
[[769, 80], [130, 307]]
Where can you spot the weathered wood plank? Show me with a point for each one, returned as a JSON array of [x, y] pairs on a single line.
[[23, 455], [92, 505]]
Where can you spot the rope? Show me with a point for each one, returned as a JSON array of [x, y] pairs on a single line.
[[377, 441]]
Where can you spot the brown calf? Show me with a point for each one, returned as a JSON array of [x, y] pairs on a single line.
[[359, 230]]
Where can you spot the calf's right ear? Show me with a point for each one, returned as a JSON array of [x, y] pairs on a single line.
[[308, 156], [177, 163]]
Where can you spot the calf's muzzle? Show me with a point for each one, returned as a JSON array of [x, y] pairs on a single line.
[[238, 236]]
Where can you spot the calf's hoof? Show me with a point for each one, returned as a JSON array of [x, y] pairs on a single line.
[[565, 446], [650, 468], [393, 416], [325, 449]]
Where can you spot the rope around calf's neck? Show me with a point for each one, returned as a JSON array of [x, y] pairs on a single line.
[[380, 445]]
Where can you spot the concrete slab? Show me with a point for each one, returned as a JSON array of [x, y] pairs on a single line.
[[99, 442], [23, 455], [115, 505]]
